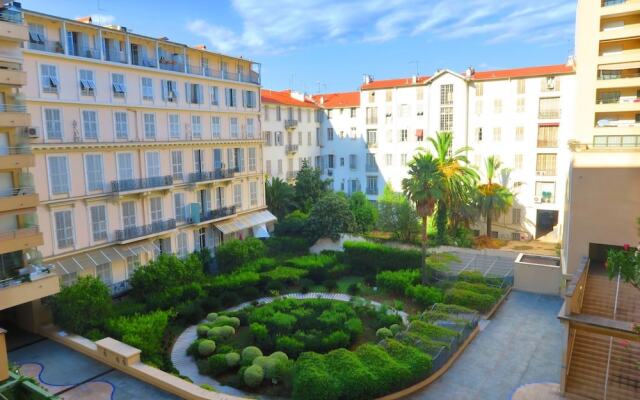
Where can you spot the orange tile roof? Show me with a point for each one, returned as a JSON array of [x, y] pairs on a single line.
[[284, 98], [392, 83], [523, 72], [338, 100]]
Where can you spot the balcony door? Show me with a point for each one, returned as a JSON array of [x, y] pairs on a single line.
[[4, 144], [217, 159]]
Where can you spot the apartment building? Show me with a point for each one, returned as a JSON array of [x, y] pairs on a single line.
[[142, 146], [290, 129], [23, 279]]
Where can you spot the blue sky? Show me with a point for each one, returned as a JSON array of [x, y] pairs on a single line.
[[327, 45]]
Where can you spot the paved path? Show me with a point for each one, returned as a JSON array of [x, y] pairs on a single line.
[[522, 344]]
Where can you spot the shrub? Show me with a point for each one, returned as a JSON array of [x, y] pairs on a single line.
[[424, 295], [229, 298], [354, 326], [217, 364], [467, 298], [354, 289], [250, 293], [349, 369], [232, 359], [293, 347], [285, 275], [330, 284], [330, 217], [253, 376], [292, 225], [202, 330], [260, 265], [260, 332], [367, 259], [279, 355], [418, 363], [431, 331], [398, 281], [388, 373], [479, 288], [83, 306], [281, 322], [235, 253], [287, 245], [317, 266], [227, 331], [395, 328], [335, 340], [364, 212], [384, 333], [312, 380], [206, 347], [190, 312], [471, 276], [212, 316], [249, 353], [234, 281]]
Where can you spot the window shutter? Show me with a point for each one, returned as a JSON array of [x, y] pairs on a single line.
[[165, 92], [187, 92]]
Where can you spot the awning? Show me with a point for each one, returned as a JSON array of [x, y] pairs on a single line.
[[419, 133], [87, 262], [619, 66], [245, 221], [260, 231]]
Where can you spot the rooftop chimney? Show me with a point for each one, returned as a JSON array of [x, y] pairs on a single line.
[[414, 79], [367, 79], [470, 72], [86, 20], [200, 47]]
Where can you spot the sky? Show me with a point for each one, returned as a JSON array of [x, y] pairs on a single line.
[[328, 45]]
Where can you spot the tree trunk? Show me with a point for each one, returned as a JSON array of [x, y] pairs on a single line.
[[425, 272], [489, 224]]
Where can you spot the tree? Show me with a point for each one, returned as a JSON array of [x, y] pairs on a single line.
[[397, 215], [424, 187], [457, 175], [280, 197], [83, 306], [293, 224], [330, 217], [493, 198], [309, 187], [235, 253], [625, 262], [364, 213]]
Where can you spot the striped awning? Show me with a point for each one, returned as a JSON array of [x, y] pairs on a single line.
[[87, 262], [245, 221]]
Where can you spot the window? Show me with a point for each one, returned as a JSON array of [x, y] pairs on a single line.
[[155, 207], [125, 166], [90, 124], [49, 78], [518, 161], [419, 110], [64, 229], [329, 134], [545, 192], [446, 119], [128, 214], [446, 95], [122, 124], [233, 127], [98, 222], [53, 123], [404, 110], [196, 127], [179, 207], [372, 96], [549, 108], [388, 95], [331, 161], [147, 89], [403, 159], [341, 162], [149, 125], [372, 115], [389, 136], [174, 126], [253, 193], [497, 106], [479, 134], [280, 167], [388, 160], [87, 83], [170, 91], [552, 83], [133, 263], [520, 105], [214, 91], [329, 114], [59, 174], [353, 112], [479, 89], [230, 97], [252, 159], [36, 35], [404, 135], [478, 107], [94, 172], [309, 138], [353, 161], [153, 164], [251, 129], [268, 167], [371, 164], [371, 137], [176, 164], [119, 87], [249, 100], [68, 279], [372, 185], [215, 127], [278, 113], [103, 272], [546, 165], [521, 86], [520, 133], [516, 216], [497, 134], [193, 93], [548, 136], [237, 195], [182, 245]]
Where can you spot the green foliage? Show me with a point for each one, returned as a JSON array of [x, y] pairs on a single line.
[[384, 333], [232, 359], [235, 253], [83, 306], [418, 363], [317, 266], [217, 364], [395, 328], [206, 347], [280, 196], [293, 224], [330, 217], [354, 326], [312, 380], [202, 330], [253, 376], [397, 215], [234, 281], [424, 295], [367, 259], [434, 332], [479, 288], [249, 353], [279, 245], [470, 299], [365, 214], [398, 281], [471, 276], [289, 345], [260, 333], [212, 316], [493, 199], [287, 275], [626, 263], [310, 187]]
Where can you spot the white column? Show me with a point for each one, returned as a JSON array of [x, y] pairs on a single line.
[[99, 45], [184, 58], [63, 39], [127, 48]]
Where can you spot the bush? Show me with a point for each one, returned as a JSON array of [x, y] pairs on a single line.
[[471, 276], [259, 332], [467, 298], [212, 316], [289, 345], [367, 259], [280, 245], [384, 333], [317, 266], [235, 253], [232, 359], [431, 331], [292, 225], [418, 363], [395, 328], [229, 299], [253, 376], [330, 217], [398, 281], [388, 373], [250, 353], [348, 368], [336, 340], [479, 288], [286, 275], [217, 364], [312, 380], [190, 312], [354, 326], [425, 296], [206, 347], [202, 330], [354, 288], [83, 306], [234, 281]]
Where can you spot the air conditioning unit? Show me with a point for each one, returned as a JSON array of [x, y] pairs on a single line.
[[32, 132]]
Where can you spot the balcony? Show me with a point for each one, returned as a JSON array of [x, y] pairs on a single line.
[[35, 283], [291, 175], [624, 32], [168, 64], [619, 57], [372, 191], [117, 57], [216, 214], [18, 198], [16, 157], [50, 46], [11, 26], [547, 143], [549, 114], [372, 168], [613, 8], [616, 141], [372, 144], [290, 124], [86, 52], [14, 116], [13, 77], [20, 239], [144, 62], [546, 172], [137, 232], [291, 149], [545, 198], [141, 184], [209, 176], [618, 104]]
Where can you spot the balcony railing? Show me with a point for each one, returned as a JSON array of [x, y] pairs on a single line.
[[291, 148], [616, 141], [16, 107], [372, 168], [372, 144], [290, 124], [204, 176], [608, 3], [549, 114], [546, 172], [27, 274], [19, 191], [145, 230], [11, 16], [547, 143], [125, 185], [19, 232], [217, 213], [171, 65], [20, 150], [119, 288], [86, 52], [47, 45], [372, 191], [545, 198], [145, 62], [119, 57], [292, 175]]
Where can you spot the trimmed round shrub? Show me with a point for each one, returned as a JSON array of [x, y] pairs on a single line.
[[384, 333], [289, 345], [354, 326], [250, 353], [202, 330], [206, 347], [253, 376], [212, 316], [259, 332], [279, 355], [227, 331], [234, 322], [215, 333], [232, 359], [217, 364], [395, 328]]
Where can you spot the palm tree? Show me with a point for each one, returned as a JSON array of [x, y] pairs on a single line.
[[458, 177], [424, 187], [493, 198], [280, 197]]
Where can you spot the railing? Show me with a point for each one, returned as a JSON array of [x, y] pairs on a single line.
[[169, 65], [20, 232], [11, 16], [87, 52], [145, 62], [195, 69], [217, 213], [372, 168], [20, 191], [292, 174], [608, 3], [291, 148], [38, 271], [547, 143], [290, 124], [616, 141], [372, 144], [546, 172], [605, 75], [372, 190], [224, 173], [549, 114], [145, 230], [16, 107], [544, 199], [141, 183], [119, 288], [6, 151], [119, 57]]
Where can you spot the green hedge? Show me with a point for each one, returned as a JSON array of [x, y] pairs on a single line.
[[425, 296], [234, 253], [287, 275], [467, 298], [367, 259], [479, 288], [398, 281]]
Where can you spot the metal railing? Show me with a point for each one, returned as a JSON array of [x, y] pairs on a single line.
[[38, 271], [20, 232], [6, 151], [203, 176], [50, 46], [210, 215], [616, 141], [292, 174], [86, 52], [549, 114], [145, 230], [141, 183], [290, 124], [372, 144], [608, 3], [19, 191], [119, 57], [170, 65], [16, 107], [546, 172], [291, 148], [372, 191], [547, 143], [145, 62], [372, 168], [119, 288], [12, 16]]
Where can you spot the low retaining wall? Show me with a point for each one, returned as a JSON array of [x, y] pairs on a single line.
[[535, 278]]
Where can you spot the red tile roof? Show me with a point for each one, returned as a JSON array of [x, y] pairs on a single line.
[[338, 100], [393, 83], [284, 98], [523, 72]]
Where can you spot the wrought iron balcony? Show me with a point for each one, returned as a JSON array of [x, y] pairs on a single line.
[[291, 148], [372, 191], [86, 52], [204, 176], [290, 124], [292, 175], [134, 232], [217, 213], [12, 16], [126, 185]]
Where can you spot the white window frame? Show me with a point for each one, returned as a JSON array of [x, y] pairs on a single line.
[[87, 83], [95, 124], [57, 124], [150, 126], [119, 169], [100, 183], [70, 227], [50, 77], [121, 127], [146, 90], [174, 126], [102, 226], [67, 173], [118, 89]]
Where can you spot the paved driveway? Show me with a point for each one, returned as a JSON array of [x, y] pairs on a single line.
[[521, 344]]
